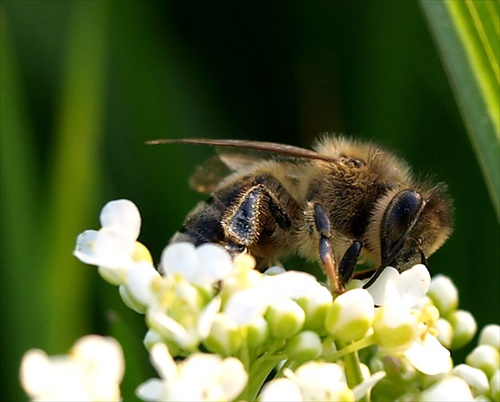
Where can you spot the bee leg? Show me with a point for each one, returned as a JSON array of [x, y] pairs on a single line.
[[349, 260], [323, 227], [258, 211]]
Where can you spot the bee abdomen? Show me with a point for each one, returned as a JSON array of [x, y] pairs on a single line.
[[202, 225]]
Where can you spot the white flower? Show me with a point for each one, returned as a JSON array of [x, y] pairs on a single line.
[[180, 312], [477, 380], [202, 266], [484, 357], [490, 335], [444, 294], [114, 247], [92, 371], [281, 389], [395, 328], [285, 318], [428, 356], [246, 305], [401, 329], [312, 381], [304, 346], [448, 389], [464, 328], [411, 285], [137, 292], [201, 377], [350, 316]]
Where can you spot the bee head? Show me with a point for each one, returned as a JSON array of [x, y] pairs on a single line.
[[410, 225]]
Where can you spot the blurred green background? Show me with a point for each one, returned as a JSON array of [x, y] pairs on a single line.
[[85, 83]]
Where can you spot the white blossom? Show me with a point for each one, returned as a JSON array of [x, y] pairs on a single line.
[[401, 329], [450, 388], [200, 377], [477, 380], [350, 317], [202, 266], [92, 371], [113, 248], [313, 381], [246, 305], [490, 335]]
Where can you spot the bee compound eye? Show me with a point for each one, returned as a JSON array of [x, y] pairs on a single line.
[[399, 218], [402, 212]]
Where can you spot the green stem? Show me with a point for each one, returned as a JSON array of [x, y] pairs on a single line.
[[259, 371], [284, 366], [353, 347], [351, 361]]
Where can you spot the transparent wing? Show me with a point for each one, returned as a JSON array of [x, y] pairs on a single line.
[[235, 155]]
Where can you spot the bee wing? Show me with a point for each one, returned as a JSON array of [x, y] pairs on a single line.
[[263, 147], [234, 155], [209, 174]]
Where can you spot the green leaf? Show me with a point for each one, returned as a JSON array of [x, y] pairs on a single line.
[[468, 37], [74, 170]]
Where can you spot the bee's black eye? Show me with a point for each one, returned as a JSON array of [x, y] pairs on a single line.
[[399, 218], [402, 211]]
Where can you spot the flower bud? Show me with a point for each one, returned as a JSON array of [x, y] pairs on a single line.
[[484, 357], [315, 306], [285, 318], [350, 316], [477, 380], [445, 332], [130, 301], [394, 339], [464, 328], [444, 294], [137, 291], [151, 338], [257, 332], [225, 337], [490, 335], [448, 389], [304, 346], [280, 389]]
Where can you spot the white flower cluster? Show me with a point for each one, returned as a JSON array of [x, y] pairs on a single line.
[[218, 329], [92, 371]]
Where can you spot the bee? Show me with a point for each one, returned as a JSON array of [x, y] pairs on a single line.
[[341, 203]]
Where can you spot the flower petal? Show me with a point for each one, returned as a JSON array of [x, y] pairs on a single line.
[[448, 389], [123, 216], [281, 389], [105, 248], [233, 376], [139, 280], [151, 390], [378, 289], [180, 258], [362, 389], [413, 284], [163, 362], [429, 356], [216, 264], [248, 304]]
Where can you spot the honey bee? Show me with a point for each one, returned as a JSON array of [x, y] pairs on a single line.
[[342, 203]]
